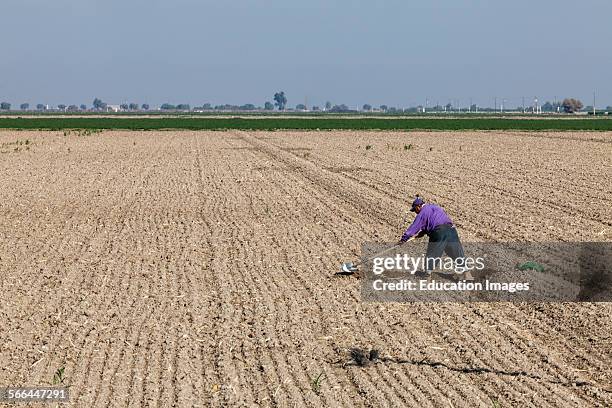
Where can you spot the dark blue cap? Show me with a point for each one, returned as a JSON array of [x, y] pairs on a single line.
[[417, 201]]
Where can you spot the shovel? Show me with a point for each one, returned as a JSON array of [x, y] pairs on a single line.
[[349, 268]]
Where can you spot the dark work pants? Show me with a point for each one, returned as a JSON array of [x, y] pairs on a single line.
[[443, 239]]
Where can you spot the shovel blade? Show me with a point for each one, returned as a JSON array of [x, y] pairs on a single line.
[[348, 268]]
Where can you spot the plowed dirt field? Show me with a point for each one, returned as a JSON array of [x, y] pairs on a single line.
[[197, 268]]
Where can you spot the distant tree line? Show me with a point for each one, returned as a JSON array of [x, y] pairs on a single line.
[[568, 105]]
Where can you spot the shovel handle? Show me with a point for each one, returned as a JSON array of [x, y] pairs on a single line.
[[384, 251]]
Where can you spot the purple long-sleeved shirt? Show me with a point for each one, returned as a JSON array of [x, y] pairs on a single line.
[[429, 218]]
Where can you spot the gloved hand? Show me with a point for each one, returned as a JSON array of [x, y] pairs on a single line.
[[412, 238]]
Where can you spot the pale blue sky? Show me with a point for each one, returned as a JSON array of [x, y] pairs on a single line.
[[353, 52]]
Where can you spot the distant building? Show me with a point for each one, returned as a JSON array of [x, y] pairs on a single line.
[[113, 108]]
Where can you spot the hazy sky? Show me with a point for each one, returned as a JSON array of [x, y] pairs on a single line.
[[353, 52]]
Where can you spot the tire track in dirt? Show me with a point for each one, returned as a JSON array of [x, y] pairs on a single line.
[[278, 313], [279, 185], [391, 163], [483, 189]]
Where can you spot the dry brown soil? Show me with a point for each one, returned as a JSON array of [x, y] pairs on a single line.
[[197, 268]]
